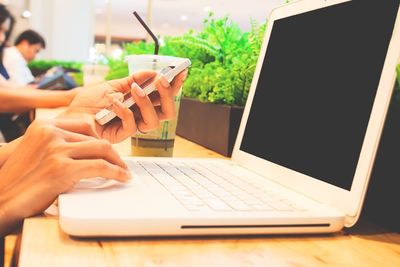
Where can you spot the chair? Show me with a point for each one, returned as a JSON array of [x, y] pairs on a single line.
[[13, 126]]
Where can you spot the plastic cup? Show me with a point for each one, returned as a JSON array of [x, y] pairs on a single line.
[[160, 142], [93, 73]]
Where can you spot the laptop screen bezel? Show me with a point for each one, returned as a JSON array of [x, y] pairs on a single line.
[[349, 202]]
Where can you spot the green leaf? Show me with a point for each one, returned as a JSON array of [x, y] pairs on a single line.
[[44, 65], [223, 59]]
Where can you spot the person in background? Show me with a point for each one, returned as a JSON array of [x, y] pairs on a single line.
[[25, 98], [16, 58]]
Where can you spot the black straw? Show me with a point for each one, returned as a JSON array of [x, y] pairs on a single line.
[[157, 44]]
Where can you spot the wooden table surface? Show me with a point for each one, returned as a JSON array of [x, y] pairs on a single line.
[[44, 244]]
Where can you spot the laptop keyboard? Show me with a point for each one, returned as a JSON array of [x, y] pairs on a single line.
[[213, 186]]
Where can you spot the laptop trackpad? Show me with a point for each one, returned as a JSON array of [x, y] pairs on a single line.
[[103, 183], [95, 183], [132, 199]]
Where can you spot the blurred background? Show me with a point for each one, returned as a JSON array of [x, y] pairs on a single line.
[[83, 42], [73, 28]]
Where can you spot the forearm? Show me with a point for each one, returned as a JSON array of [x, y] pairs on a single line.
[[25, 99], [23, 199], [10, 211], [17, 202], [15, 205], [8, 220], [10, 214]]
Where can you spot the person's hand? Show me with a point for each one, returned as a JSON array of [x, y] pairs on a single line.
[[146, 114], [70, 94], [50, 159]]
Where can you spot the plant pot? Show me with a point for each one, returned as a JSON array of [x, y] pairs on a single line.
[[213, 126]]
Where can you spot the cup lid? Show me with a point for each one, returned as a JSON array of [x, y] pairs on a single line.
[[151, 58]]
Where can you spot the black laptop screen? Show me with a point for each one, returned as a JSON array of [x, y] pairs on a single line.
[[317, 86]]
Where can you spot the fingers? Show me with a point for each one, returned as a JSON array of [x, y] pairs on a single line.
[[167, 109], [126, 116], [95, 149], [84, 126], [75, 137], [112, 96], [178, 81], [172, 89], [100, 168], [150, 119], [124, 85]]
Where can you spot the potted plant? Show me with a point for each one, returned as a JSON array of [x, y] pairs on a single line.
[[223, 63]]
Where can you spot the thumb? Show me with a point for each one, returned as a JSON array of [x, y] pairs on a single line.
[[124, 85]]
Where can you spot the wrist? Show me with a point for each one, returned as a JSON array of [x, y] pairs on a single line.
[[68, 97], [9, 218], [65, 113], [73, 112]]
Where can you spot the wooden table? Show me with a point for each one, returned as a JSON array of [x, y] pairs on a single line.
[[44, 244]]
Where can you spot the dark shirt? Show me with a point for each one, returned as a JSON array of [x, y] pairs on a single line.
[[8, 127], [4, 72]]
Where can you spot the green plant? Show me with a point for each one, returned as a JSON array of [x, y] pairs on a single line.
[[223, 59], [78, 77], [44, 65], [226, 60], [39, 67], [118, 69]]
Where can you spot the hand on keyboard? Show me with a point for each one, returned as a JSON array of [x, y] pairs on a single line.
[[95, 183]]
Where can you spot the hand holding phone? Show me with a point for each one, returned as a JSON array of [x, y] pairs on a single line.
[[105, 115]]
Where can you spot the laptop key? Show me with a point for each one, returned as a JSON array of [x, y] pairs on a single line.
[[297, 207], [281, 206], [240, 206], [253, 201], [263, 207], [195, 207], [218, 205], [198, 188]]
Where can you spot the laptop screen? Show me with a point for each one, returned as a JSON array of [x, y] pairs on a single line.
[[317, 86]]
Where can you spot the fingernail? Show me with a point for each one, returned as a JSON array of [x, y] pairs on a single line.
[[119, 96], [118, 103], [138, 91], [164, 81], [129, 175], [125, 166]]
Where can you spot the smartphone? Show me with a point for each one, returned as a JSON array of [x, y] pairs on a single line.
[[106, 115]]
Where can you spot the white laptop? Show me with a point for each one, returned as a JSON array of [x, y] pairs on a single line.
[[305, 148]]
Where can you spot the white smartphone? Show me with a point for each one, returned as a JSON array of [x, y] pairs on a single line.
[[105, 115]]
